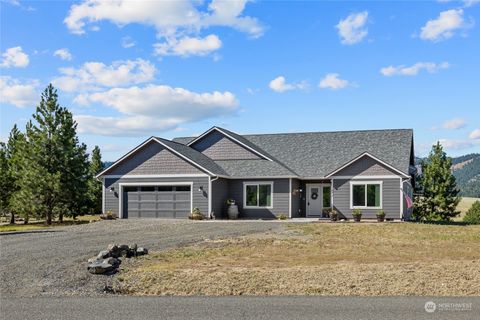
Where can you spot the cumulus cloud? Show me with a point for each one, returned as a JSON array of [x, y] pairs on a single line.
[[333, 81], [174, 20], [153, 108], [445, 26], [454, 124], [458, 144], [352, 29], [63, 54], [475, 134], [279, 84], [16, 93], [128, 42], [14, 57], [188, 46], [413, 70], [95, 75]]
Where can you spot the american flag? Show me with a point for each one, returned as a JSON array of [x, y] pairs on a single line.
[[407, 199]]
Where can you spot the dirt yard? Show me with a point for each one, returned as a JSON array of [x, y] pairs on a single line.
[[317, 259]]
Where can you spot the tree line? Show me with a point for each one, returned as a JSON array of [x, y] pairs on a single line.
[[46, 172]]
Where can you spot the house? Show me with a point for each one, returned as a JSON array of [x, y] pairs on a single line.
[[296, 174]]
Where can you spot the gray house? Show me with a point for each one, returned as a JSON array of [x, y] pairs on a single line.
[[295, 174]]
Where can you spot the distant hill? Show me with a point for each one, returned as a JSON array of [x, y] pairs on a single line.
[[466, 170], [107, 164]]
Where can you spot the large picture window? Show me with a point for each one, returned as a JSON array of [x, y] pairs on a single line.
[[366, 195], [258, 195]]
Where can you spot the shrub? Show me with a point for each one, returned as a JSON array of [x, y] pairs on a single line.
[[282, 216], [196, 215], [357, 213], [473, 214], [109, 215], [333, 215], [381, 213]]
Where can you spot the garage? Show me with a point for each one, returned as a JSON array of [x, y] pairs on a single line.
[[159, 201]]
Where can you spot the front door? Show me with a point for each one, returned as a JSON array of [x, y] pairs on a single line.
[[314, 200]]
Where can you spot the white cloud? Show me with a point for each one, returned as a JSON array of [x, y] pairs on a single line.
[[13, 92], [332, 81], [63, 54], [188, 46], [475, 134], [177, 22], [14, 57], [94, 75], [444, 26], [457, 144], [279, 84], [470, 3], [454, 124], [128, 42], [352, 29], [153, 108], [413, 70]]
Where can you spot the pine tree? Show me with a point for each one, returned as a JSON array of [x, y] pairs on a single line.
[[54, 166], [439, 194], [95, 186], [5, 182]]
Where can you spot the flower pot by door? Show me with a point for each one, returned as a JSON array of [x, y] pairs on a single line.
[[232, 211]]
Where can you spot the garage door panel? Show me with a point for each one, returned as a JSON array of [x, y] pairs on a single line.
[[157, 201]]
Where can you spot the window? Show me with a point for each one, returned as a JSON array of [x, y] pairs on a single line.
[[182, 188], [147, 189], [327, 197], [258, 195], [165, 189], [366, 195], [130, 189]]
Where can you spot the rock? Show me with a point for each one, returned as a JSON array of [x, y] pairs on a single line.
[[99, 267], [113, 261], [112, 247], [94, 259], [103, 254], [142, 251]]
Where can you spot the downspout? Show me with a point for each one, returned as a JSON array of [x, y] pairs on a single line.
[[210, 180]]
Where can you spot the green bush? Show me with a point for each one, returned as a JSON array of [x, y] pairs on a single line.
[[473, 214], [282, 217], [196, 215], [357, 213], [381, 213]]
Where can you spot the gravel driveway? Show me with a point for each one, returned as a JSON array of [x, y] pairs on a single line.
[[53, 262]]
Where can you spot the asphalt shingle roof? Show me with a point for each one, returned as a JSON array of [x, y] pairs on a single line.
[[316, 154]]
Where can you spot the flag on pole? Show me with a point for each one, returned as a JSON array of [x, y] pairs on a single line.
[[407, 199]]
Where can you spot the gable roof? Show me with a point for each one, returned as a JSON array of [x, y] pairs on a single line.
[[191, 155], [317, 154]]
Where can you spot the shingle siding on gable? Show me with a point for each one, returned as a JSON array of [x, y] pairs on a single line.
[[217, 146], [366, 166], [153, 158]]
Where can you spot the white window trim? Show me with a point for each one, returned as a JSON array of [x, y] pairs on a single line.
[[256, 183], [365, 183], [141, 184]]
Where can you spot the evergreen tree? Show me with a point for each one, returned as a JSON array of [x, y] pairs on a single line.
[[54, 166], [95, 186], [438, 198], [5, 182]]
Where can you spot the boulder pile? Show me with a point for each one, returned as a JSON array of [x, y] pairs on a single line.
[[108, 261]]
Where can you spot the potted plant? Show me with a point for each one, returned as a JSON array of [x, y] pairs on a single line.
[[357, 215], [196, 214], [380, 216], [333, 215], [232, 209]]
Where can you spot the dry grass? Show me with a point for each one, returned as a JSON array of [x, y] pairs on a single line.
[[319, 259], [40, 224], [464, 205]]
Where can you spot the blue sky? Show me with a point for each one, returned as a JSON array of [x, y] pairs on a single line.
[[129, 70]]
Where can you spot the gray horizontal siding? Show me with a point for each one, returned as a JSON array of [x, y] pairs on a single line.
[[280, 199], [219, 196], [153, 158], [366, 166], [390, 198], [217, 146], [200, 199], [296, 198]]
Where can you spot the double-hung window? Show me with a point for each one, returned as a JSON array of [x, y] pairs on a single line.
[[366, 195], [258, 194]]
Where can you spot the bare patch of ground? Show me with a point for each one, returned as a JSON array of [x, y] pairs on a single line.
[[317, 259]]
